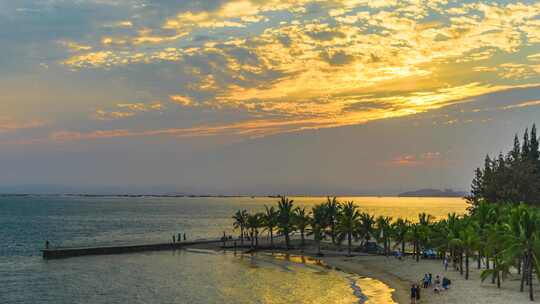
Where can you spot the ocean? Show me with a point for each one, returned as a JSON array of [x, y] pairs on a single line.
[[184, 276]]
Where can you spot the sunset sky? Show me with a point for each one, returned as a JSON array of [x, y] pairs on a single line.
[[306, 96]]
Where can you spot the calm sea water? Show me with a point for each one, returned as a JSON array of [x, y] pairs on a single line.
[[169, 277]]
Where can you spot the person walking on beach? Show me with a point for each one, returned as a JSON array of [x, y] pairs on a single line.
[[425, 280], [414, 292], [437, 288], [445, 264], [430, 279]]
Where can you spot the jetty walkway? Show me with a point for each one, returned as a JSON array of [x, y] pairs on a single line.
[[67, 252]]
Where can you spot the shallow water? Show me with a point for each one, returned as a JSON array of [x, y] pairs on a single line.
[[168, 277]]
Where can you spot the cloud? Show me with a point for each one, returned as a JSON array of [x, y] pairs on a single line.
[[414, 160], [126, 110], [12, 125], [326, 63], [522, 105], [182, 100]]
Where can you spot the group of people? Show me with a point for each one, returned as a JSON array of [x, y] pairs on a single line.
[[178, 238], [427, 282]]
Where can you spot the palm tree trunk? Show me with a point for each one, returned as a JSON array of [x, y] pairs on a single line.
[[461, 262], [241, 235], [417, 251], [332, 233], [487, 261], [495, 266], [403, 247], [302, 236], [287, 240], [498, 279], [525, 266], [271, 238], [479, 261], [466, 264], [256, 238], [530, 274], [349, 241], [318, 246]]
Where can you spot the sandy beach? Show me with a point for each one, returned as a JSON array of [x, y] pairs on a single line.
[[398, 275], [401, 274]]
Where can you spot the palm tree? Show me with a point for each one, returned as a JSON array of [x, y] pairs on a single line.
[[470, 241], [318, 224], [301, 222], [425, 219], [494, 247], [400, 228], [525, 241], [240, 221], [254, 222], [366, 227], [414, 235], [348, 221], [481, 215], [332, 211], [384, 231], [285, 218], [270, 218]]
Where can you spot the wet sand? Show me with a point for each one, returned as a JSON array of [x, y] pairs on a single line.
[[400, 274]]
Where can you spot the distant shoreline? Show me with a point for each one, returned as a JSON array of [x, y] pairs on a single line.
[[216, 196]]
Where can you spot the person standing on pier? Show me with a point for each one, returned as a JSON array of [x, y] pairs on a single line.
[[179, 237], [173, 239], [184, 236]]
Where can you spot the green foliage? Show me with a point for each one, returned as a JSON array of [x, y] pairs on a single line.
[[510, 178]]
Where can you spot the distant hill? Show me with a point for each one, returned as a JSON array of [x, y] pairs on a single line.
[[434, 192]]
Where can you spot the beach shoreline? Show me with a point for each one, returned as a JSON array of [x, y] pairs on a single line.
[[398, 276]]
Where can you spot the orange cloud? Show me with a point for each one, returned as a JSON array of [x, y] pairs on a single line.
[[410, 160]]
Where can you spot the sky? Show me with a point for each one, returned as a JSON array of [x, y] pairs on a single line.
[[262, 97]]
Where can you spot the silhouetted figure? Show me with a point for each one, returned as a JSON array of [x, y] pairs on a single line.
[[414, 292], [173, 239], [47, 244], [179, 237], [184, 236]]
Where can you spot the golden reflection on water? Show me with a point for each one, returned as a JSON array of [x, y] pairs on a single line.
[[294, 274], [376, 291], [283, 278], [404, 207]]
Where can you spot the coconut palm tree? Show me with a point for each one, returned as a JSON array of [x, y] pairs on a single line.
[[240, 221], [286, 218], [301, 222], [481, 215], [415, 236], [270, 221], [332, 211], [400, 228], [494, 237], [469, 241], [254, 222], [523, 242], [318, 224], [383, 230], [348, 221], [366, 227]]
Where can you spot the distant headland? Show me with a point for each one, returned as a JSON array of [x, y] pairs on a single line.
[[433, 193]]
